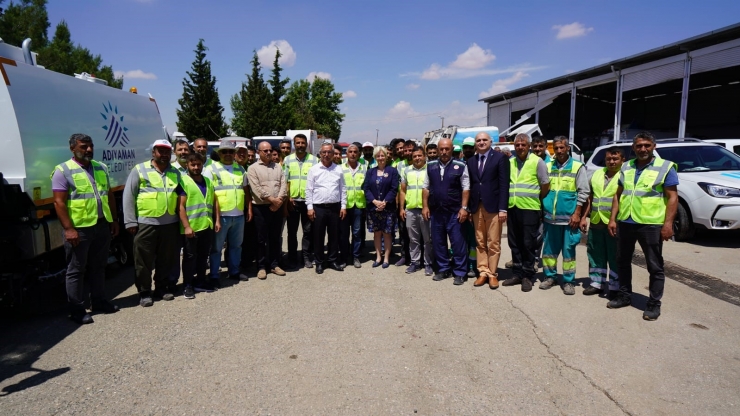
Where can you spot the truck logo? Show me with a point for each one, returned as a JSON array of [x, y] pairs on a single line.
[[116, 131]]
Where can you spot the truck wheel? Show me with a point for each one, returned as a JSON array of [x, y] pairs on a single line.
[[683, 228]]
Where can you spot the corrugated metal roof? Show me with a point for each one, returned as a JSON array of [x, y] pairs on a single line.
[[697, 42]]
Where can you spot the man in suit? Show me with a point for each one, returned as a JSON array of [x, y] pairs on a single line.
[[489, 199]]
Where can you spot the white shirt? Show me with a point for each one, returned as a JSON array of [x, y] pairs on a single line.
[[325, 185]]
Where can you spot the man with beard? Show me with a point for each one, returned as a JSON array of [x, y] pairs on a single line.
[[410, 207], [89, 219], [182, 150], [295, 169], [350, 227], [367, 156], [431, 152], [285, 150], [251, 155], [249, 245]]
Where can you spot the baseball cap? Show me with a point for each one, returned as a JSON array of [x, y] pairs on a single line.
[[367, 144], [226, 144], [469, 141], [241, 145], [162, 143], [456, 148]]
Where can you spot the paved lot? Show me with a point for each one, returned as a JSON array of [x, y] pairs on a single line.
[[369, 341]]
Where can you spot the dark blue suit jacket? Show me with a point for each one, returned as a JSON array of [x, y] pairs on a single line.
[[386, 190], [492, 187]]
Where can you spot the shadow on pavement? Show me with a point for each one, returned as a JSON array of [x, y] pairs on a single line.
[[712, 238]]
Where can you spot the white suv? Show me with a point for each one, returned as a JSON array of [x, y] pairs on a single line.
[[709, 182]]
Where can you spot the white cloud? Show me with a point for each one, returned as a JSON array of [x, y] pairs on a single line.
[[474, 58], [349, 94], [412, 87], [470, 63], [573, 30], [135, 74], [266, 54], [323, 75], [403, 109], [502, 85]]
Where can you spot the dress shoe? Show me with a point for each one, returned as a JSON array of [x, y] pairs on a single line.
[[482, 280], [81, 317], [493, 282], [319, 269], [459, 280], [336, 266], [278, 271], [104, 307], [512, 281]]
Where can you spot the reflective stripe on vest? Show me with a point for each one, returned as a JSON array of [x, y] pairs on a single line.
[[82, 204], [198, 208], [353, 184], [645, 201], [156, 197], [228, 187], [414, 186], [560, 203], [601, 202], [524, 187], [296, 173]]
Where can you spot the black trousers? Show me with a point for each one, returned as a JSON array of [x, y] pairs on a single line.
[[249, 244], [195, 255], [652, 246], [155, 245], [522, 232], [268, 224], [327, 220], [403, 235], [300, 214], [86, 265]]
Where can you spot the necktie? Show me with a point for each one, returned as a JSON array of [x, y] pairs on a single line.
[[480, 163]]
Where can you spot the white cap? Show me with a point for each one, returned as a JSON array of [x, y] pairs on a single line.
[[162, 143], [241, 145], [367, 144]]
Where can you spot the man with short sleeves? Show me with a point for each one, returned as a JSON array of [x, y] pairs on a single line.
[[295, 169]]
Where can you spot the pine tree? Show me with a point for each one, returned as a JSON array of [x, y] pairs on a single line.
[[25, 19], [252, 104], [200, 113], [279, 116]]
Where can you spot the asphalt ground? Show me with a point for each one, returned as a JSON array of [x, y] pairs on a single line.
[[373, 341]]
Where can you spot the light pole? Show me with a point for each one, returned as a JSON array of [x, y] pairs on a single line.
[[443, 121], [376, 136]]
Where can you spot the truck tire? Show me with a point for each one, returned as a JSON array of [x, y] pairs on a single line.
[[683, 227]]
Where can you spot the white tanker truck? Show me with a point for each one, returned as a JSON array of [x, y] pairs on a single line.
[[39, 111]]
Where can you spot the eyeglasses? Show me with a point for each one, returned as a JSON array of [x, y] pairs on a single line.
[[226, 152], [265, 151]]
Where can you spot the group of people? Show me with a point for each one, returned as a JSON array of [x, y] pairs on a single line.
[[449, 211]]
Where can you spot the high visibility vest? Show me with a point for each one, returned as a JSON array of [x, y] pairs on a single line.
[[228, 186], [82, 205], [297, 173], [355, 194], [524, 187], [156, 196], [560, 203], [601, 203], [645, 201], [369, 165], [414, 186], [198, 208]]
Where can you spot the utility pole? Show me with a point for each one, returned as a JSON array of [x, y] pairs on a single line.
[[376, 137], [443, 121]]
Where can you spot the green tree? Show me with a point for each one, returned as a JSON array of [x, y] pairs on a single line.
[[25, 19], [200, 113], [297, 103], [252, 105], [315, 105], [278, 114]]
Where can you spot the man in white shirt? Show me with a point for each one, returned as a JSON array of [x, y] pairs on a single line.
[[326, 200]]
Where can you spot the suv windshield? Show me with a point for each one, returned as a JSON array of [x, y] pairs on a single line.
[[701, 158]]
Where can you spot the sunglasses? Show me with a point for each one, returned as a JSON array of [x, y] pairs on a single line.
[[226, 152]]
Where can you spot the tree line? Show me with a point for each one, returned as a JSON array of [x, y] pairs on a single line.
[[260, 106]]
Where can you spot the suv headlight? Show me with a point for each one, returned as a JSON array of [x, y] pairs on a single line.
[[719, 191]]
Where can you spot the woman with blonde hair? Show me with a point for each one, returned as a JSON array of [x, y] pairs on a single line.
[[381, 186]]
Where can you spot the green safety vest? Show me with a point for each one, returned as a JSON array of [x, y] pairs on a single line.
[[524, 187], [228, 187], [601, 202], [297, 173], [414, 186], [156, 196], [369, 165], [82, 205], [560, 203], [355, 194], [645, 201], [198, 208]]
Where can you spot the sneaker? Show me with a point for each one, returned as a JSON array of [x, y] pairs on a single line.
[[168, 296], [509, 264], [413, 268], [357, 263], [471, 273], [163, 295], [526, 284], [441, 276], [146, 301], [278, 271], [589, 291], [458, 280], [401, 262], [81, 317], [652, 312], [428, 271], [547, 283], [620, 301], [262, 274], [308, 264], [513, 281], [189, 292], [568, 288]]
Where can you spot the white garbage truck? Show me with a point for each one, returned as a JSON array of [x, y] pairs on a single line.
[[39, 111]]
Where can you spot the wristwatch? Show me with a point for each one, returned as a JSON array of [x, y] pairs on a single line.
[[466, 209]]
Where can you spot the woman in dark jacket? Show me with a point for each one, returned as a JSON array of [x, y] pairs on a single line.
[[381, 186]]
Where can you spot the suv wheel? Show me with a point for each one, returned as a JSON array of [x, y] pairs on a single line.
[[683, 228]]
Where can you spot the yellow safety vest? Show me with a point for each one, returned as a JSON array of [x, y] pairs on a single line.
[[228, 186], [198, 208], [355, 194], [601, 203], [524, 187], [156, 196], [414, 186], [562, 200], [82, 205], [297, 173], [645, 201]]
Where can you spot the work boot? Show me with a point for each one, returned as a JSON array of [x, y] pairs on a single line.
[[512, 281], [589, 291], [458, 280], [620, 301], [526, 284], [441, 276], [652, 312], [547, 283], [509, 264], [568, 288], [482, 280]]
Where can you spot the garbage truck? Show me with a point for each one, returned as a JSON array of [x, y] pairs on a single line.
[[39, 111]]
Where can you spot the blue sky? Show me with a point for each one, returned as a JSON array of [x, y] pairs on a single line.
[[402, 64]]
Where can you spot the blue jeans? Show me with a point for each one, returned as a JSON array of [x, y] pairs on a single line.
[[232, 232], [350, 226]]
